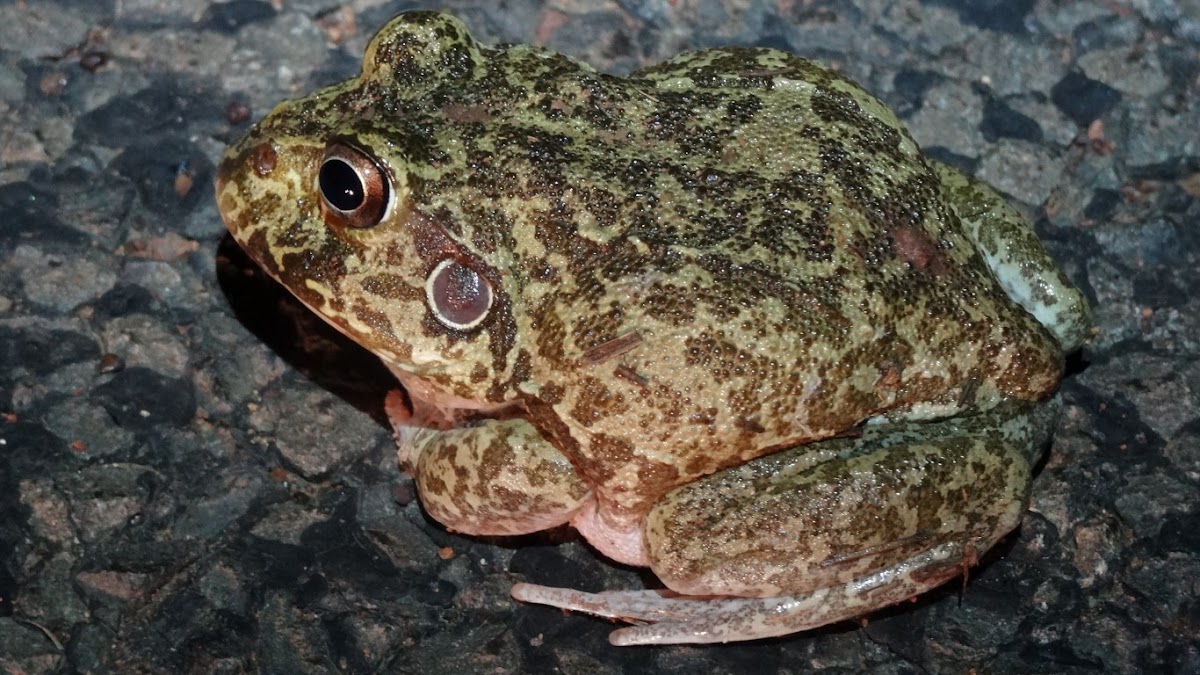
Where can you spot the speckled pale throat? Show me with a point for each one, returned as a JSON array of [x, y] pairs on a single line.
[[722, 317]]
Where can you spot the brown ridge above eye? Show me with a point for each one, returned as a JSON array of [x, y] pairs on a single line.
[[354, 189], [458, 295]]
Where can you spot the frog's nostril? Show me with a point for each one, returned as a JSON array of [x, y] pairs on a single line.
[[263, 158]]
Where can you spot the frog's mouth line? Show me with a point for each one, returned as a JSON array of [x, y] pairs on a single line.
[[424, 395]]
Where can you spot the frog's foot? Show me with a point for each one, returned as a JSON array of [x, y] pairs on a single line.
[[668, 618]]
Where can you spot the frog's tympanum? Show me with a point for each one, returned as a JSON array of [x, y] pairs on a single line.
[[721, 316]]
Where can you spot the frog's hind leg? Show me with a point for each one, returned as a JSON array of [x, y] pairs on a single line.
[[826, 532], [668, 618], [1017, 257]]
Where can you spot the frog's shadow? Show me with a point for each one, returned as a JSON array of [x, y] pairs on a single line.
[[300, 337]]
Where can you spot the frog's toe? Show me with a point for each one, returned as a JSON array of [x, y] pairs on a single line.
[[664, 617]]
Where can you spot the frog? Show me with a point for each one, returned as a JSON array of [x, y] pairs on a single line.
[[722, 316]]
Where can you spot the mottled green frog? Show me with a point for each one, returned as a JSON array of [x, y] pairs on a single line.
[[721, 316]]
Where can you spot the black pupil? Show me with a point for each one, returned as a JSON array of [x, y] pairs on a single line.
[[340, 185]]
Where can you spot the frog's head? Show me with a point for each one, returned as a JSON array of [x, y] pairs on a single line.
[[321, 193]]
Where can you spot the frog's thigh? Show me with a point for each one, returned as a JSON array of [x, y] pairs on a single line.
[[498, 478], [783, 526], [1017, 257], [825, 544]]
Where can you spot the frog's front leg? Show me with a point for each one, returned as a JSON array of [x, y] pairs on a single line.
[[827, 531], [493, 477]]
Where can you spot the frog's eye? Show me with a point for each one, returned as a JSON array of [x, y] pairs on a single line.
[[458, 296], [354, 190]]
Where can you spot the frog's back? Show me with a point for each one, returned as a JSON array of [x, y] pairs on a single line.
[[757, 200], [738, 240]]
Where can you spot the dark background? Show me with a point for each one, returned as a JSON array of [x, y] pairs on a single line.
[[194, 476]]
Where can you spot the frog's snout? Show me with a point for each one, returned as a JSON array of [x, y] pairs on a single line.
[[238, 169], [226, 186], [222, 178]]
